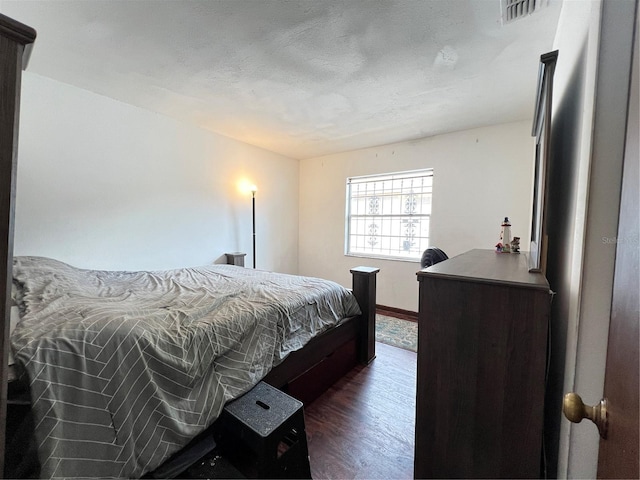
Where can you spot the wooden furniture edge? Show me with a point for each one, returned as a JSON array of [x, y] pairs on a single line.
[[15, 41], [16, 31], [364, 289], [444, 270], [19, 33], [425, 275], [299, 364]]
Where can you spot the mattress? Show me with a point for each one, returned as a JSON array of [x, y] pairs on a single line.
[[126, 367]]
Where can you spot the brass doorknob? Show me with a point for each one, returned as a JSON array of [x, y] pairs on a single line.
[[575, 410]]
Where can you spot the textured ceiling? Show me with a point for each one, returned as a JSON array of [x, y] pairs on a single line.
[[299, 77]]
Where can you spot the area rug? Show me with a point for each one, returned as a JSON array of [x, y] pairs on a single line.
[[397, 332]]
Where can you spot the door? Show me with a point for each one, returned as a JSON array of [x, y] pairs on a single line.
[[618, 454]]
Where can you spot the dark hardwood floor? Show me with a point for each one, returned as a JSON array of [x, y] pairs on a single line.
[[363, 426]]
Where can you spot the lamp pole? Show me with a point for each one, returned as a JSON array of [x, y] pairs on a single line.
[[253, 205]]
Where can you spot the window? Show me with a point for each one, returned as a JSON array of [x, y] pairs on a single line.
[[388, 215]]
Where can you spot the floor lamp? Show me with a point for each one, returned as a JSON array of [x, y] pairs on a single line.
[[254, 189]]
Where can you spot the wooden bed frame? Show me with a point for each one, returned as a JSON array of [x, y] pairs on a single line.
[[306, 373], [309, 372]]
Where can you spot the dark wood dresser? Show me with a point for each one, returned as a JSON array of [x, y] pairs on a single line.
[[482, 347]]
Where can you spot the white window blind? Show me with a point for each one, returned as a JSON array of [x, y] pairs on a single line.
[[388, 215]]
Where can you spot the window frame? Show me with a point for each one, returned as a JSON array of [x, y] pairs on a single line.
[[393, 177]]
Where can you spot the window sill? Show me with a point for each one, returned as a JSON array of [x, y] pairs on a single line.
[[383, 257]]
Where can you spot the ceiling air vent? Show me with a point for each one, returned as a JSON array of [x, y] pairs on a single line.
[[512, 10]]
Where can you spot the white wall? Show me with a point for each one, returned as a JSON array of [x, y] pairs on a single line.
[[574, 89], [594, 41], [480, 176], [102, 184]]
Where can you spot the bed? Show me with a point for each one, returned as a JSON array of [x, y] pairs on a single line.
[[125, 368]]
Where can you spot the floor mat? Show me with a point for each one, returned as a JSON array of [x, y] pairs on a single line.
[[397, 332]]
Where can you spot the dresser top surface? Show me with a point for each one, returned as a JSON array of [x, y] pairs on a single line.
[[488, 266]]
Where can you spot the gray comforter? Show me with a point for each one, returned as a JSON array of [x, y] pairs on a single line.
[[126, 367]]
